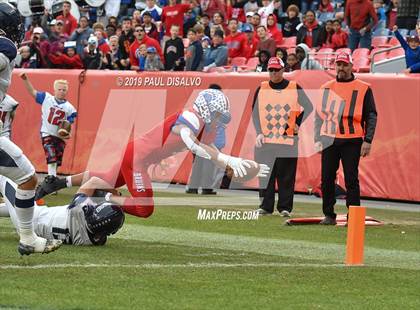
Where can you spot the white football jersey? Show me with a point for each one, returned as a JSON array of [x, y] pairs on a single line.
[[66, 223], [7, 108], [53, 112]]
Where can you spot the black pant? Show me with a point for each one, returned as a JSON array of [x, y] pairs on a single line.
[[282, 160], [349, 153]]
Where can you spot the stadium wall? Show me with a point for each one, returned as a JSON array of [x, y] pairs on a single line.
[[390, 172]]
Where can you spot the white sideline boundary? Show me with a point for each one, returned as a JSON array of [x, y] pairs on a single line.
[[170, 266]]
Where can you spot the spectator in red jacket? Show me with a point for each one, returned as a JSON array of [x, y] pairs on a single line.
[[251, 40], [339, 38], [235, 10], [141, 38], [210, 7], [326, 7], [102, 43], [70, 23], [69, 60], [173, 14], [236, 42], [275, 33], [361, 18]]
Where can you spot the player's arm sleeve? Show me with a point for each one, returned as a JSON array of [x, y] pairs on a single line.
[[306, 104], [189, 140], [256, 113], [40, 97], [72, 117], [190, 120], [369, 115]]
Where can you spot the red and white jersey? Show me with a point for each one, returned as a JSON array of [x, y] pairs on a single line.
[[7, 109], [54, 111], [160, 142]]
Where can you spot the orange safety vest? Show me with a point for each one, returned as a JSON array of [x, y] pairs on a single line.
[[278, 110], [341, 109]]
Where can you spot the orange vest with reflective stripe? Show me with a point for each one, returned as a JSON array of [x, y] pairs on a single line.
[[278, 110], [341, 109]]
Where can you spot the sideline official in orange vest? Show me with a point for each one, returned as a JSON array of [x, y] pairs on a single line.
[[345, 123], [280, 106]]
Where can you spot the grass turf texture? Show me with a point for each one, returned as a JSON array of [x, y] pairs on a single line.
[[174, 261]]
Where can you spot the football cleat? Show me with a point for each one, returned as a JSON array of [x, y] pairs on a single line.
[[40, 245], [50, 185]]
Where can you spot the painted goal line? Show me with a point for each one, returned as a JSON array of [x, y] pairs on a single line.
[[169, 266]]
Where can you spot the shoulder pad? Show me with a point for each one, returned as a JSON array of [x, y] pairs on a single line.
[[8, 48]]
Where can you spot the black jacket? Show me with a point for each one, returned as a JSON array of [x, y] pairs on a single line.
[[124, 42], [317, 36], [289, 25], [174, 50]]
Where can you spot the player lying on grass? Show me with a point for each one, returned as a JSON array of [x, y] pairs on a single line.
[[193, 129], [82, 222]]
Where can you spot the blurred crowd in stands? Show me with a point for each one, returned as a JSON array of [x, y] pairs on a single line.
[[212, 35]]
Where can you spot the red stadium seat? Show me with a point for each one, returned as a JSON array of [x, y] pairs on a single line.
[[395, 53], [325, 56], [379, 41], [238, 61], [394, 42], [361, 64], [326, 50], [291, 50], [361, 52], [343, 50], [288, 42], [252, 63], [378, 57]]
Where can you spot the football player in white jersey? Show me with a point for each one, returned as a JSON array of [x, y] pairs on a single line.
[[13, 163], [55, 109], [85, 221], [7, 113]]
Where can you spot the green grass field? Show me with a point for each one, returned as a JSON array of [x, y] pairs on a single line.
[[174, 261]]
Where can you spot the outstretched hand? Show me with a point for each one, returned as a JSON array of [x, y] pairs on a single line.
[[264, 171]]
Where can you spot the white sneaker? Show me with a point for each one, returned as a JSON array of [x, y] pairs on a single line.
[[263, 212], [285, 213], [40, 245]]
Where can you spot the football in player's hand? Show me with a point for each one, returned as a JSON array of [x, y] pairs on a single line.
[[64, 128], [250, 172]]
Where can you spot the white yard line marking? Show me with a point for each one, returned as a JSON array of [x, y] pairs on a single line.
[[307, 250], [169, 266]]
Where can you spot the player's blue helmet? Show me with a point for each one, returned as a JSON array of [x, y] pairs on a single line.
[[211, 101], [11, 23], [105, 219]]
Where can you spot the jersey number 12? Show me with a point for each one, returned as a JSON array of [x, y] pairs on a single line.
[[56, 116]]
